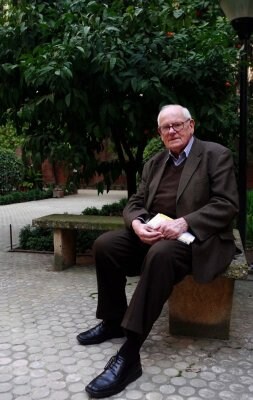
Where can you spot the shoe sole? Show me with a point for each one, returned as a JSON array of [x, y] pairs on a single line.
[[107, 393], [96, 341]]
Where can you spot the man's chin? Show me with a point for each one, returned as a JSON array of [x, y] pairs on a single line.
[[175, 150]]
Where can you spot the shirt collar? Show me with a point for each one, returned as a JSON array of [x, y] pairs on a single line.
[[189, 146], [183, 155]]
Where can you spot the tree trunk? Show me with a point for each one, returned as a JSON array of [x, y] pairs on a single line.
[[131, 179]]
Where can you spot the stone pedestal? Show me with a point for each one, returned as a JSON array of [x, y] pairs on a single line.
[[64, 248], [58, 193]]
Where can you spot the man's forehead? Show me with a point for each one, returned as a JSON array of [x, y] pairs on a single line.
[[172, 113]]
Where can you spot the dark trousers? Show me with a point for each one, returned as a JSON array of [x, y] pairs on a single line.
[[119, 254]]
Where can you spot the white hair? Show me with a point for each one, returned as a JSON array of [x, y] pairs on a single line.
[[186, 113]]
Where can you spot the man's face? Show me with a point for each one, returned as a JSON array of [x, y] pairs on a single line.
[[175, 138]]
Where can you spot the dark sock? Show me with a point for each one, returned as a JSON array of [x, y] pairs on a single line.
[[130, 350], [113, 323]]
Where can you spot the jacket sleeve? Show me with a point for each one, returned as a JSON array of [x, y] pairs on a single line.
[[136, 204], [218, 212]]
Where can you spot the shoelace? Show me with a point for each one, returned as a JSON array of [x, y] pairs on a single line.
[[112, 363]]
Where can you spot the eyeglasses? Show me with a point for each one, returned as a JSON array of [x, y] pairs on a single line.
[[177, 127]]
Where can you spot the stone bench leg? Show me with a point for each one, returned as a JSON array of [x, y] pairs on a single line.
[[201, 310], [64, 249]]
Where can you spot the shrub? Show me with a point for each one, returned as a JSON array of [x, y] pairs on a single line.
[[107, 209], [11, 171], [154, 146], [40, 239], [33, 238], [85, 239], [18, 197], [91, 211], [9, 138], [114, 208]]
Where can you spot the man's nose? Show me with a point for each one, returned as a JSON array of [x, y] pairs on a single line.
[[171, 129]]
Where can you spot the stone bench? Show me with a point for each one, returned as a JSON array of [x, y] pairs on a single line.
[[199, 310], [65, 227]]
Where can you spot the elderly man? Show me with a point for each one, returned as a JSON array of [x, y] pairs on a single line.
[[192, 182]]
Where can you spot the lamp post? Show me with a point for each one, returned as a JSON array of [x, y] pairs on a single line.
[[240, 14]]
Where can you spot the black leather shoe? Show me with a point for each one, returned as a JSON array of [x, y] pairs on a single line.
[[115, 377], [99, 334]]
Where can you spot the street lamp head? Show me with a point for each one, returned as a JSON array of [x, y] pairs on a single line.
[[240, 14]]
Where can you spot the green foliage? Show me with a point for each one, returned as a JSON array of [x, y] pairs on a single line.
[[85, 240], [40, 239], [8, 138], [250, 126], [91, 211], [73, 74], [30, 195], [32, 176], [107, 209], [33, 238], [154, 146], [250, 202], [11, 171], [113, 208], [70, 188]]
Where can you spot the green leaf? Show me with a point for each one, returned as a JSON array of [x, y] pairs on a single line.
[[112, 29], [178, 13], [67, 99], [9, 67], [134, 84], [86, 30], [67, 72], [113, 61], [81, 49]]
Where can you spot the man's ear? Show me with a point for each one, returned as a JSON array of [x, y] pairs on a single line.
[[192, 122]]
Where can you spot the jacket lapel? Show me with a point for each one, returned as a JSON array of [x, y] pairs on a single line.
[[191, 164]]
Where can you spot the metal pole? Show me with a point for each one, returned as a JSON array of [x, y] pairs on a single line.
[[11, 237], [242, 184]]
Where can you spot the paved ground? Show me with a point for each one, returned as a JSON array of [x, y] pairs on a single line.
[[42, 311]]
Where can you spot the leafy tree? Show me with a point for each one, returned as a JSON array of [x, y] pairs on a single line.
[[11, 171], [77, 74], [8, 137]]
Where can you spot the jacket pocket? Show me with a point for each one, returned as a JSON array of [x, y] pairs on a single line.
[[226, 236]]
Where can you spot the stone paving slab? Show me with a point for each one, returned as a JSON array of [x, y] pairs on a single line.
[[42, 311]]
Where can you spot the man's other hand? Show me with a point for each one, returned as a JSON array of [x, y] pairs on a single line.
[[146, 234]]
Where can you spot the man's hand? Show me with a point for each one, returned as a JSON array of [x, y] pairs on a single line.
[[172, 229], [146, 234]]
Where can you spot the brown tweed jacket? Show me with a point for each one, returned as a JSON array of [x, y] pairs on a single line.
[[207, 198]]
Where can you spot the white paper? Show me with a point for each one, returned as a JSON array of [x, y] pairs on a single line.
[[186, 237]]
